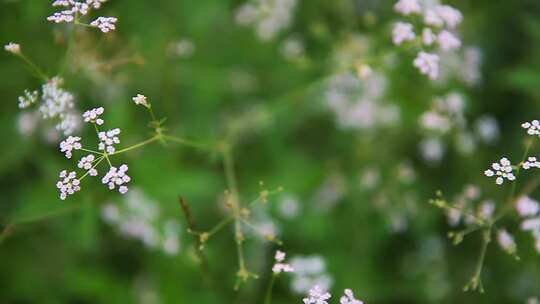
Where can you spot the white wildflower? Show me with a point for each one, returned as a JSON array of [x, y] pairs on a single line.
[[13, 48], [486, 209], [292, 48], [502, 170], [531, 162], [69, 144], [527, 206], [279, 266], [428, 37], [317, 296], [401, 32], [107, 140], [407, 7], [141, 100], [86, 163], [105, 24], [117, 178], [348, 298], [448, 41], [506, 241], [268, 17], [428, 64], [27, 123], [431, 17], [533, 127], [28, 99], [432, 149], [93, 115], [451, 16], [55, 100], [487, 129], [68, 184]]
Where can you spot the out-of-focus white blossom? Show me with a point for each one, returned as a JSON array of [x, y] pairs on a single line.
[[487, 128], [28, 99], [292, 48], [288, 206], [309, 271], [317, 295], [407, 7], [428, 37], [432, 149], [269, 17], [182, 48], [506, 241], [501, 170], [136, 216], [401, 32], [428, 64], [448, 41], [527, 206]]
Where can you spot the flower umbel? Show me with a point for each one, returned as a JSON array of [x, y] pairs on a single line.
[[502, 170]]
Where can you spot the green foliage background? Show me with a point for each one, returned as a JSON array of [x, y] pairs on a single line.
[[62, 252]]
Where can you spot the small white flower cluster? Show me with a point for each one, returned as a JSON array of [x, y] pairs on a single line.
[[183, 48], [318, 295], [138, 217], [279, 266], [69, 144], [93, 116], [529, 209], [117, 177], [292, 48], [68, 184], [531, 162], [13, 48], [309, 271], [55, 104], [533, 127], [29, 98], [464, 207], [506, 241], [105, 24], [359, 104], [141, 100], [447, 119], [107, 140], [446, 113], [86, 163], [502, 170], [439, 22], [269, 17], [73, 9]]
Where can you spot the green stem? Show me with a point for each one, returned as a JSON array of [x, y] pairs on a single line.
[[38, 72], [268, 296], [146, 142], [185, 142]]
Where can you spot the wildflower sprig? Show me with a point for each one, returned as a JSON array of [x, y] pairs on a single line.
[[488, 226]]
